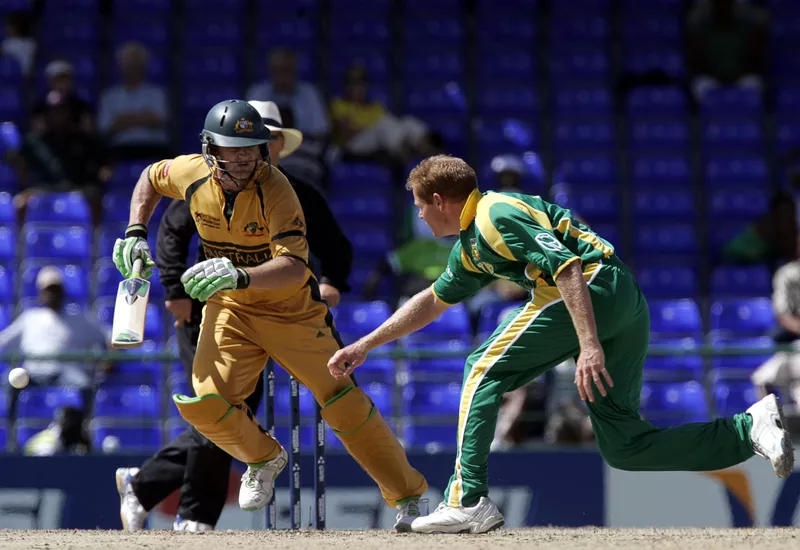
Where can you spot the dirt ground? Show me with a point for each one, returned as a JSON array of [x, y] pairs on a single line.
[[596, 539]]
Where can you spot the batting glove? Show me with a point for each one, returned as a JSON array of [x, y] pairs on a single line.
[[203, 280], [134, 246]]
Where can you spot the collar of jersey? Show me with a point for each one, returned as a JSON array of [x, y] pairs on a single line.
[[470, 209]]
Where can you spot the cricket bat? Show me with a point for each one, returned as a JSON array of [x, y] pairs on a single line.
[[130, 309]]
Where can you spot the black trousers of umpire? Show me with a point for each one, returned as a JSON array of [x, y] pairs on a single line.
[[190, 462]]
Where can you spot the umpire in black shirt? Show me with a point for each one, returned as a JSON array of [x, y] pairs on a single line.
[[190, 462]]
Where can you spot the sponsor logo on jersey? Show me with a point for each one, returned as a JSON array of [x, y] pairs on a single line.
[[253, 229], [206, 220], [486, 267], [473, 244], [165, 171], [549, 242], [240, 258], [243, 125]]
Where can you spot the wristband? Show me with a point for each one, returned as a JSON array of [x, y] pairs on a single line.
[[243, 280], [136, 230]]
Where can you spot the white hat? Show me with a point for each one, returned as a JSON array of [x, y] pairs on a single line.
[[58, 67], [49, 276], [271, 115]]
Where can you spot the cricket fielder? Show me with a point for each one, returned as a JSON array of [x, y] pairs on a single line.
[[584, 303], [261, 301]]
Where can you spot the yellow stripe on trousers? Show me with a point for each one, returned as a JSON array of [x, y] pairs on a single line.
[[544, 297]]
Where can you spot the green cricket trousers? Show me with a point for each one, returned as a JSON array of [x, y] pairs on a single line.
[[540, 335]]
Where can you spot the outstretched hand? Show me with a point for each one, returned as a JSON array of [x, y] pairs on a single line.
[[344, 361], [591, 367]]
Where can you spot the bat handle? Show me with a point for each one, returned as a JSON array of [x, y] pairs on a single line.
[[137, 267]]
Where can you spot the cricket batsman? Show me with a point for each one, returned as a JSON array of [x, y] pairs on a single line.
[[261, 301], [584, 303]]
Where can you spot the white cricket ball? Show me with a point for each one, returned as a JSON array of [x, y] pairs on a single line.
[[18, 378]]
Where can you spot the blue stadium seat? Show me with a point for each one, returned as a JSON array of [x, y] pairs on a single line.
[[672, 281], [359, 177], [6, 286], [130, 438], [371, 241], [453, 324], [201, 6], [115, 207], [753, 316], [5, 316], [283, 397], [225, 66], [665, 7], [745, 170], [742, 203], [733, 396], [519, 9], [508, 32], [68, 242], [721, 233], [283, 433], [661, 169], [363, 31], [596, 204], [740, 281], [435, 99], [661, 100], [292, 32], [667, 238], [608, 231], [655, 135], [787, 101], [443, 31], [664, 203], [378, 7], [10, 71], [432, 399], [444, 65], [76, 281], [640, 31], [155, 7], [506, 64], [739, 366], [70, 32], [8, 179], [126, 174], [507, 100], [680, 366], [69, 208], [42, 403], [135, 373], [675, 318], [566, 32], [437, 368], [498, 136], [8, 244], [583, 101], [588, 170], [8, 214], [673, 403], [149, 31], [360, 318], [431, 438], [140, 402], [733, 134], [10, 104], [432, 7], [381, 395], [224, 32], [578, 136], [377, 369], [726, 101], [454, 132], [492, 315], [667, 59], [787, 134], [364, 207], [586, 64]]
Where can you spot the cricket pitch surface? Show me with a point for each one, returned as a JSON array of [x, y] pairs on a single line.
[[539, 538]]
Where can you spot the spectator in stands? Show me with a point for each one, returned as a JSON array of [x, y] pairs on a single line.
[[61, 157], [59, 75], [783, 368], [19, 42], [363, 128], [771, 238], [133, 115], [49, 330], [302, 107], [727, 45]]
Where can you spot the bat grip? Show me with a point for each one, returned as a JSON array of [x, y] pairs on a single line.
[[137, 267]]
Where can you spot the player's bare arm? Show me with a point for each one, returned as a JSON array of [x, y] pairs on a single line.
[[416, 313], [591, 361], [277, 273], [144, 200]]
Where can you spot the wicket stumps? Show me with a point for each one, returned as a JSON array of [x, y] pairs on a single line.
[[295, 514]]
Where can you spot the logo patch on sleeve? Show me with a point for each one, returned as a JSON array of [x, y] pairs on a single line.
[[549, 242], [165, 171]]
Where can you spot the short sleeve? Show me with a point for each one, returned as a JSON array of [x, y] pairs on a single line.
[[528, 241], [168, 177], [459, 280], [286, 222]]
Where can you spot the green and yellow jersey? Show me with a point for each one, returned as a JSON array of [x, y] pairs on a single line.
[[520, 238]]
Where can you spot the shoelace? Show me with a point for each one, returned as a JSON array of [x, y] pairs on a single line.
[[250, 478]]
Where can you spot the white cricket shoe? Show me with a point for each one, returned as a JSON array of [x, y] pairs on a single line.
[[481, 518], [406, 513], [769, 436], [258, 483], [131, 511], [191, 525]]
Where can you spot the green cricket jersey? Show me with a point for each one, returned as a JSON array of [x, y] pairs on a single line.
[[521, 238]]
